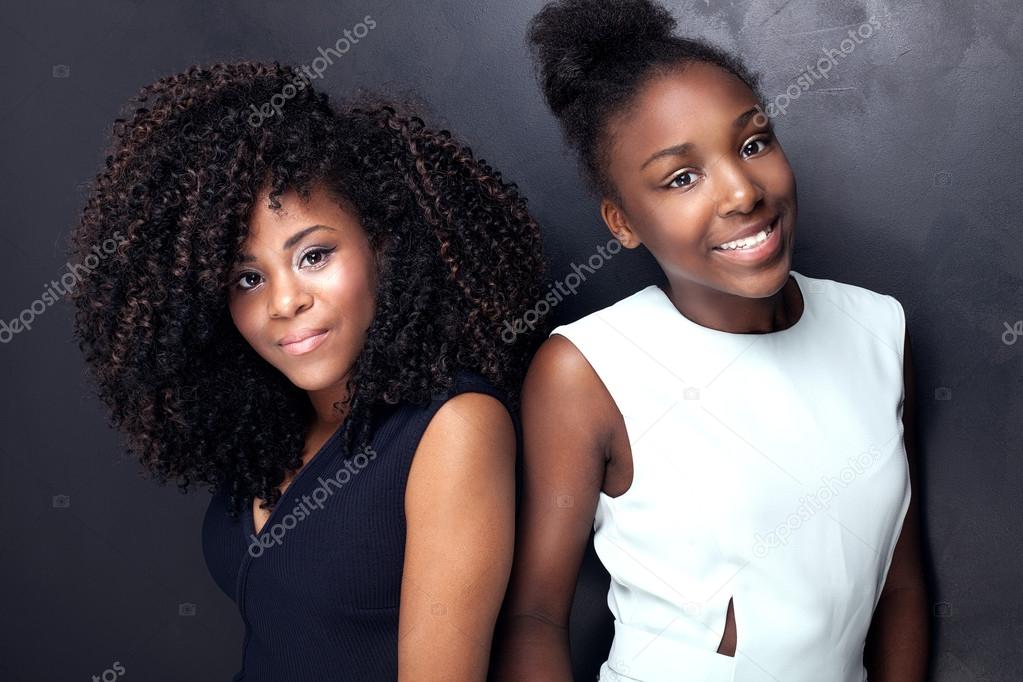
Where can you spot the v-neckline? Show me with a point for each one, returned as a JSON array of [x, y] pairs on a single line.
[[249, 529]]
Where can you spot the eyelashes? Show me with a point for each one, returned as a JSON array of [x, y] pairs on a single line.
[[323, 255], [767, 139], [671, 183]]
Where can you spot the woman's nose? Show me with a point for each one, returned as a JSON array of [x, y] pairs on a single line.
[[737, 191], [287, 298]]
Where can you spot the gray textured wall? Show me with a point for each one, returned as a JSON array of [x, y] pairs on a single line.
[[907, 159]]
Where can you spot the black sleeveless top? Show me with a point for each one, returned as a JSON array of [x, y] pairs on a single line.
[[318, 588]]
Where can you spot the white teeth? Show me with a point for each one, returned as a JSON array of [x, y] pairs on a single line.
[[748, 242]]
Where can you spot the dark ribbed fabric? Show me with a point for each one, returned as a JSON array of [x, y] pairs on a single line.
[[322, 602]]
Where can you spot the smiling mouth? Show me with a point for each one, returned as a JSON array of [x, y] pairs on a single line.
[[749, 242], [761, 245]]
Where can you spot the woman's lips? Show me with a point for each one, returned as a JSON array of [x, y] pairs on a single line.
[[305, 345]]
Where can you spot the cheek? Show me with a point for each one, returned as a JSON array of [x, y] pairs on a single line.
[[678, 223], [244, 318], [349, 290], [781, 180]]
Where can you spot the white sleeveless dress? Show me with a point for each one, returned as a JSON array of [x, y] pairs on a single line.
[[768, 468]]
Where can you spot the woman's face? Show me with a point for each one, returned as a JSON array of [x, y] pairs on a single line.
[[303, 292], [696, 167]]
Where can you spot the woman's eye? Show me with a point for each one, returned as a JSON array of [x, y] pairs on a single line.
[[316, 256], [766, 141], [244, 279], [683, 174]]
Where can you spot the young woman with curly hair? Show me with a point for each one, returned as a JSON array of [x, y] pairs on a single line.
[[740, 439], [305, 315]]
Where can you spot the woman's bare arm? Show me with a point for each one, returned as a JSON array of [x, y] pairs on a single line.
[[460, 511], [898, 641], [565, 418]]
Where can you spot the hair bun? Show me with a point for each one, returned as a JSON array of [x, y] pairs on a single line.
[[575, 41]]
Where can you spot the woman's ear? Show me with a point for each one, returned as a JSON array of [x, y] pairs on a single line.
[[618, 223]]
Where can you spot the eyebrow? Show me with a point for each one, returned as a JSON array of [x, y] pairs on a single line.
[[687, 147], [289, 242]]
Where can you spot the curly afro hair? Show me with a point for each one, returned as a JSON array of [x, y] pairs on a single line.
[[592, 56], [459, 256]]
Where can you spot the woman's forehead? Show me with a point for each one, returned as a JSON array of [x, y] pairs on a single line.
[[698, 108]]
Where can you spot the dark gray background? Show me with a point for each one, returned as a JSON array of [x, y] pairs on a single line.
[[907, 160]]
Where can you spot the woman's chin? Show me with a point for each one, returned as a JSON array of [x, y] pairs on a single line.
[[312, 381], [314, 385]]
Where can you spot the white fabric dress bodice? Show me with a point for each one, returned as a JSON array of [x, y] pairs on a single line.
[[767, 468]]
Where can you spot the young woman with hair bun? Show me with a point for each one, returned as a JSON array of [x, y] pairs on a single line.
[[741, 437]]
